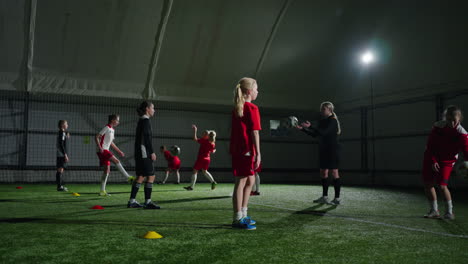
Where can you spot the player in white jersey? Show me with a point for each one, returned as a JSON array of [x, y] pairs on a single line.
[[104, 141]]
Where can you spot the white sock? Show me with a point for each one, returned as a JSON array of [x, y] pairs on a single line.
[[209, 176], [132, 200], [434, 205], [244, 211], [257, 183], [122, 170], [167, 176], [104, 181], [193, 180], [147, 201], [449, 207], [178, 177], [237, 216]]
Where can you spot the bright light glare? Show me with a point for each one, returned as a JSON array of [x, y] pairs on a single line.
[[367, 57]]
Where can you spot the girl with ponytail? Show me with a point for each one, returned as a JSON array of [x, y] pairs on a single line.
[[327, 131], [207, 146], [244, 149]]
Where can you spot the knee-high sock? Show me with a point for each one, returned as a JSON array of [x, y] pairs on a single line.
[[178, 176], [148, 191], [337, 185], [167, 176], [209, 177], [104, 181], [122, 170], [324, 187], [58, 179], [135, 189], [193, 180], [256, 187]]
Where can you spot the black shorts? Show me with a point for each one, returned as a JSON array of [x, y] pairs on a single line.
[[144, 167], [329, 158], [61, 163]]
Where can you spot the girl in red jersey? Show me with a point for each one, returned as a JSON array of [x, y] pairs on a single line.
[[244, 149], [446, 140], [207, 146], [173, 164]]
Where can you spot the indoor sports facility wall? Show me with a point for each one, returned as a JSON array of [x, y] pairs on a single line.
[[28, 129]]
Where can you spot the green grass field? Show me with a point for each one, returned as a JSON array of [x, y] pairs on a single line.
[[41, 225]]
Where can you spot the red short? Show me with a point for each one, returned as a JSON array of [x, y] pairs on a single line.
[[104, 157], [174, 166], [243, 166], [202, 164], [259, 169], [440, 178]]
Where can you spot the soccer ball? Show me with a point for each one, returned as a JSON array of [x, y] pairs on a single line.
[[293, 121], [175, 150]]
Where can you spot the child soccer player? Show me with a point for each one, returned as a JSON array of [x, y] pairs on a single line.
[[104, 140], [144, 158], [327, 132], [256, 187], [207, 146], [244, 149], [446, 140], [173, 164], [62, 154]]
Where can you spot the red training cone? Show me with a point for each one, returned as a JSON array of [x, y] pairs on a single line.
[[97, 207], [19, 187]]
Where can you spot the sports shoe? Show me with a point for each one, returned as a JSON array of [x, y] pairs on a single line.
[[322, 200], [151, 205], [213, 185], [131, 179], [134, 205], [432, 214], [104, 193], [336, 201], [254, 193], [62, 189], [449, 216], [188, 188], [176, 182], [242, 224], [250, 221]]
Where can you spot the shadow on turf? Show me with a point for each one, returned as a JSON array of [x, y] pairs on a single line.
[[452, 227], [314, 210]]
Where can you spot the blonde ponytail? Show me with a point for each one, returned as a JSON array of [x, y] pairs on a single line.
[[245, 84], [338, 122], [331, 107]]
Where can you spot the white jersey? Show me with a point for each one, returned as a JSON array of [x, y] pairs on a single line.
[[107, 136]]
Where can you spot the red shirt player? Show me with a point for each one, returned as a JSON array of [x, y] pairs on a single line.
[[446, 140], [244, 149], [173, 164], [207, 146]]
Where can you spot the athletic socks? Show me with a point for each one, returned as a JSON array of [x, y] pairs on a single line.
[[244, 211], [148, 190], [256, 187], [434, 206], [193, 180], [135, 189], [324, 187], [122, 170], [209, 177], [58, 179], [237, 216], [178, 176], [104, 181], [167, 176], [449, 207], [337, 185]]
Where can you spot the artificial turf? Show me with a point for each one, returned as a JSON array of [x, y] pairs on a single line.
[[374, 225]]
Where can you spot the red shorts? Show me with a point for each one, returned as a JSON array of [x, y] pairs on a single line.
[[243, 166], [259, 169], [202, 164], [104, 157], [440, 178], [174, 166]]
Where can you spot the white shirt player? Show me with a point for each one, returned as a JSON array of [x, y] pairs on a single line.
[[107, 136]]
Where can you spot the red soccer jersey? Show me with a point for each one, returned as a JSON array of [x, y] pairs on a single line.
[[171, 160], [446, 142], [242, 141], [206, 147]]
